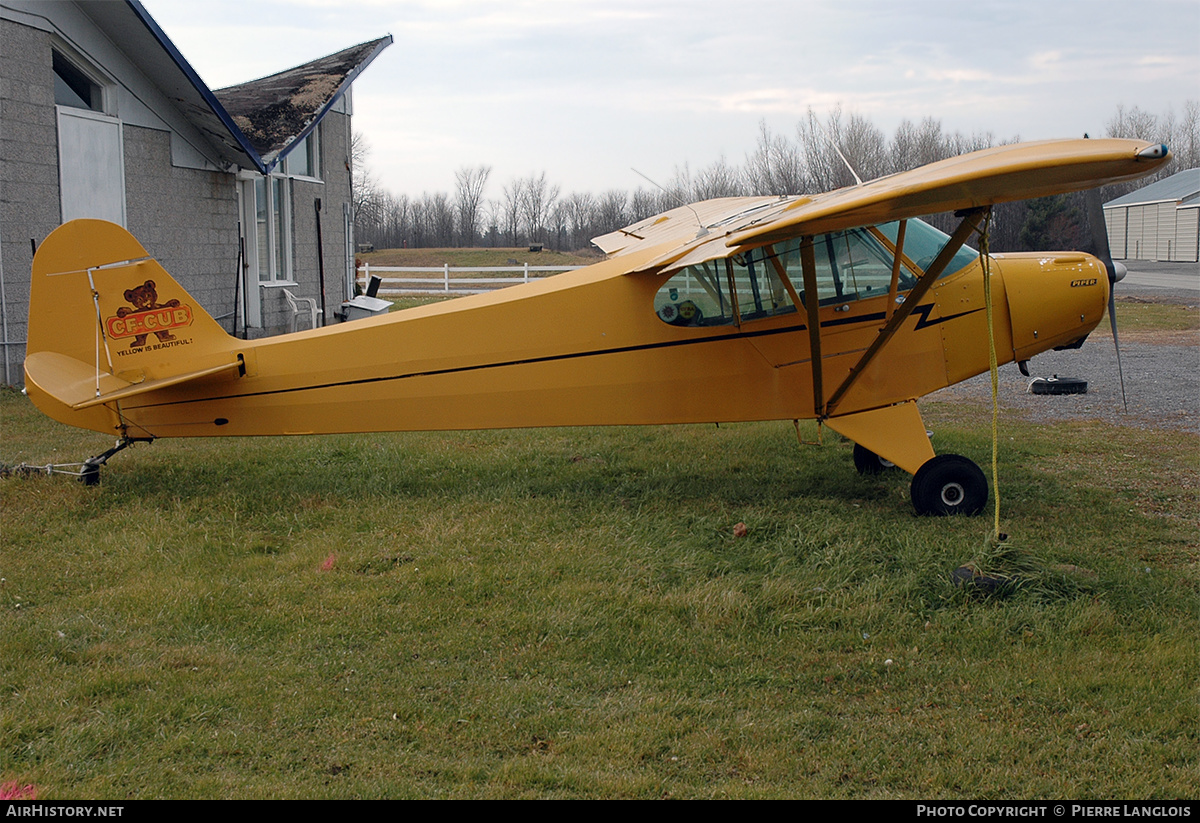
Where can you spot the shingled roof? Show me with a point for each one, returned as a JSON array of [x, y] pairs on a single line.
[[276, 111]]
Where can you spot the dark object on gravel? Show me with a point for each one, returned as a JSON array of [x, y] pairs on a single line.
[[1058, 385]]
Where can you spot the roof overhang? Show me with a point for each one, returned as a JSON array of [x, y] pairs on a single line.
[[131, 27], [139, 36], [275, 113]]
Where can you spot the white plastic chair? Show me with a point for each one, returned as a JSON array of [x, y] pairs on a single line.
[[309, 307]]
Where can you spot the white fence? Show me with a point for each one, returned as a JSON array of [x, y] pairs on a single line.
[[426, 279]]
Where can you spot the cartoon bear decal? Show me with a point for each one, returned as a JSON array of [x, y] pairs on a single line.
[[145, 300]]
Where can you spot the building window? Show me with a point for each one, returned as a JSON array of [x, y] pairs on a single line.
[[272, 204], [304, 160], [74, 88], [272, 242]]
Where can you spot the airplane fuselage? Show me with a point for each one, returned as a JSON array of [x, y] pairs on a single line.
[[843, 307], [579, 349]]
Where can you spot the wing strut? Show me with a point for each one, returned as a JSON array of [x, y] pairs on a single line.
[[808, 267], [969, 222], [897, 257]]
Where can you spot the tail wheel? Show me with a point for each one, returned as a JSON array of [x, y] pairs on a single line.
[[949, 484], [868, 462]]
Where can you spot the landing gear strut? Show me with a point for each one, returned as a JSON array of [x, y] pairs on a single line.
[[90, 474]]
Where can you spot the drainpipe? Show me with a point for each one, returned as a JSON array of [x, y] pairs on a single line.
[[320, 259], [4, 316]]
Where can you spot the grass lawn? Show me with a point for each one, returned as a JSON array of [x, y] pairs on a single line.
[[568, 613]]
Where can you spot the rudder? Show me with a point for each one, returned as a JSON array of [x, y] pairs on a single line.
[[106, 321]]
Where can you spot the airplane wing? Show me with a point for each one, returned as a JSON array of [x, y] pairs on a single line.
[[1018, 171], [682, 224]]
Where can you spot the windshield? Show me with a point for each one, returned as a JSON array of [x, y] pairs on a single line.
[[922, 242]]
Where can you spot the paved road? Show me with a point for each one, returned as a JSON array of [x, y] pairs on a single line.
[[1179, 279]]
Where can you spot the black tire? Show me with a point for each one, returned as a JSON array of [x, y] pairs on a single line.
[[1058, 385], [949, 484], [868, 462]]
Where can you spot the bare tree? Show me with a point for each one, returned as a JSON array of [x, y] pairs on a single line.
[[823, 167], [718, 179], [776, 166], [643, 204], [678, 190], [1134, 123], [959, 143], [394, 226], [419, 225], [469, 185], [612, 213], [1187, 137], [537, 204], [1181, 136], [493, 217], [441, 218], [580, 215], [366, 195], [904, 147], [511, 212], [864, 147], [530, 208]]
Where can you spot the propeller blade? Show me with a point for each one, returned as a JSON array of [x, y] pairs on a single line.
[[1095, 210], [1112, 319]]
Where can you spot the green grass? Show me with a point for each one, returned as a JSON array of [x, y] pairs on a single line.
[[1143, 315], [1151, 321], [566, 613], [402, 303]]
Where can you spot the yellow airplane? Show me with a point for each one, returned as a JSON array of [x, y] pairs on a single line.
[[840, 307]]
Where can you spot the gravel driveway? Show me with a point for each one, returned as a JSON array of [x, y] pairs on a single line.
[[1162, 377]]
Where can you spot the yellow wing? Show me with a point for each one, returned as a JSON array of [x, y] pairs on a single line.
[[1018, 171]]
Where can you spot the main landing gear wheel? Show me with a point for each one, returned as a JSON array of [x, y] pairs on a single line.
[[868, 462], [949, 484]]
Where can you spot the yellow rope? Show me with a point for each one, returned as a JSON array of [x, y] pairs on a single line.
[[987, 301]]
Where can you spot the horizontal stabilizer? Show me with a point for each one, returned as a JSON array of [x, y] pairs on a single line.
[[81, 386]]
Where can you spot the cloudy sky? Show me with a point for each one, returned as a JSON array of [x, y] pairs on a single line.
[[585, 90]]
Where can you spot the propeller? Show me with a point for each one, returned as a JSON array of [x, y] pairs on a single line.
[[1116, 271]]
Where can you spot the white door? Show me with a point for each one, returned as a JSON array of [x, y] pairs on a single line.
[[91, 165]]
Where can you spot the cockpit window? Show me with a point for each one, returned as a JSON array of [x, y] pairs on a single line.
[[759, 289], [696, 296], [850, 265], [853, 265]]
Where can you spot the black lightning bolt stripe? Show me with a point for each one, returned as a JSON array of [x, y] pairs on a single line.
[[922, 312]]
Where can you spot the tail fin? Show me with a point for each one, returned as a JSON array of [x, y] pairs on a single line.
[[107, 322]]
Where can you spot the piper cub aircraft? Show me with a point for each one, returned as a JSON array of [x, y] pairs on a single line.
[[839, 307]]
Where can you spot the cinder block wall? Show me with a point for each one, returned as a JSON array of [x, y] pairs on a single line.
[[186, 218], [29, 201]]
